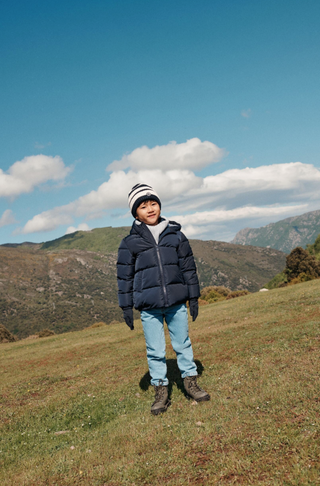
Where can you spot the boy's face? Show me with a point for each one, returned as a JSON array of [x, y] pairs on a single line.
[[148, 212]]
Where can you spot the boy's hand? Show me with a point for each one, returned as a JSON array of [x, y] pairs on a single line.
[[128, 317], [194, 308]]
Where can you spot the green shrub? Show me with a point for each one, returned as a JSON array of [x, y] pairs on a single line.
[[208, 292], [315, 248], [299, 261], [302, 277], [279, 280], [301, 266], [214, 293]]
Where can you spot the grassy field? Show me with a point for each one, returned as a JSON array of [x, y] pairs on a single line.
[[75, 408]]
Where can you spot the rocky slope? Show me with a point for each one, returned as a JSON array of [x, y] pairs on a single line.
[[283, 235], [63, 287], [63, 290]]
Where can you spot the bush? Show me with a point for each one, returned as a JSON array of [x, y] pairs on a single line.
[[301, 262], [202, 302], [46, 333], [214, 293], [237, 293], [301, 266], [302, 277], [280, 280], [213, 290], [315, 248], [211, 295], [6, 336]]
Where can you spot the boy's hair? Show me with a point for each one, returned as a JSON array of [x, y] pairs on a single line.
[[140, 193]]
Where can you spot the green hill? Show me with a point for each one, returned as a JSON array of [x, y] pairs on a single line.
[[103, 240], [75, 408], [69, 283], [283, 235]]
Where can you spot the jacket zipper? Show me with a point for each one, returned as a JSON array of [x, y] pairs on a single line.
[[162, 277]]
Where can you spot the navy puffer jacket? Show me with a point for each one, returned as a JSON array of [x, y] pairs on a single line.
[[151, 275]]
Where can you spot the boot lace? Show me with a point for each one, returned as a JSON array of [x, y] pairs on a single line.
[[160, 390], [194, 385]]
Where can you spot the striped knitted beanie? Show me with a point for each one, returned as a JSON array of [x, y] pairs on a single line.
[[140, 193]]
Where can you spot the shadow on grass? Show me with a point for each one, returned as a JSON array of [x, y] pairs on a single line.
[[174, 376]]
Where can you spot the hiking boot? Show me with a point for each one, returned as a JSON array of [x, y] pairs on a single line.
[[193, 389], [161, 400]]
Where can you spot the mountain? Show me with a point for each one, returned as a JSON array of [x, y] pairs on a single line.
[[69, 283], [235, 266], [283, 235], [62, 290]]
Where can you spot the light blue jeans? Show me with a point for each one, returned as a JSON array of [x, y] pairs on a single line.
[[176, 318]]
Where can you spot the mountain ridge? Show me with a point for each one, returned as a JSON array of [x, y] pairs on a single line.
[[284, 235]]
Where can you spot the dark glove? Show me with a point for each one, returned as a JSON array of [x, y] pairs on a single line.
[[194, 308], [128, 317]]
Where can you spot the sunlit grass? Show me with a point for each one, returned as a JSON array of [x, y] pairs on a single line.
[[259, 359]]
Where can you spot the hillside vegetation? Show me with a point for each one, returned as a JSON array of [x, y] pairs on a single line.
[[283, 235], [104, 240], [63, 290], [70, 283], [75, 407], [301, 266], [235, 266]]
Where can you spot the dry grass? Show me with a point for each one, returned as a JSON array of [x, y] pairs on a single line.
[[259, 359], [95, 325]]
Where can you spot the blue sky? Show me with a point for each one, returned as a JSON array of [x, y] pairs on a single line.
[[222, 95]]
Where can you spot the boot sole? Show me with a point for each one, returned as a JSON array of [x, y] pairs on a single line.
[[204, 399], [161, 410]]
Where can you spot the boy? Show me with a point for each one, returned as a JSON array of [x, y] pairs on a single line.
[[157, 275]]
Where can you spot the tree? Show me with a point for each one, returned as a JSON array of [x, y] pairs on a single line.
[[314, 249], [301, 262]]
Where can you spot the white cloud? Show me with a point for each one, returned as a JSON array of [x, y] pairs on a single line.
[[46, 221], [201, 223], [7, 218], [81, 227], [193, 154], [24, 175], [202, 203], [264, 185], [113, 194], [275, 176], [248, 212], [246, 113]]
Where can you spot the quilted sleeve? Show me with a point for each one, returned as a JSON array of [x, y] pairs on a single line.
[[188, 267], [125, 275]]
